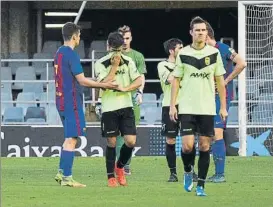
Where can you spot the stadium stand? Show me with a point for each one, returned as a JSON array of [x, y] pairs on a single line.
[[15, 65]]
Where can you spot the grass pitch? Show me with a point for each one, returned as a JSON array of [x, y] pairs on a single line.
[[29, 182]]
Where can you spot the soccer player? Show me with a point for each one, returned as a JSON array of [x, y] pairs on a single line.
[[117, 107], [69, 79], [139, 61], [229, 56], [197, 66], [169, 128]]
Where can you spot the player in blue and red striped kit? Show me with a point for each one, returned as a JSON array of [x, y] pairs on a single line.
[[229, 58], [69, 79]]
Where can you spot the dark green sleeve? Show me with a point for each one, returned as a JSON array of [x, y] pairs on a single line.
[[141, 66]]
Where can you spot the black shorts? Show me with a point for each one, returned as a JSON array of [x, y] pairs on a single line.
[[169, 128], [119, 122], [202, 125]]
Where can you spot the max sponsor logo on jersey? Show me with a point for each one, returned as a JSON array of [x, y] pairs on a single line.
[[200, 75]]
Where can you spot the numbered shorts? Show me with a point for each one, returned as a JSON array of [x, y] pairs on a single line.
[[73, 122], [202, 125], [118, 122], [218, 122], [169, 128]]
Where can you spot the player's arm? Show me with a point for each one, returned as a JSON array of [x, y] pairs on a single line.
[[142, 70], [177, 74], [220, 84], [164, 74], [77, 71], [240, 64], [134, 76], [83, 81]]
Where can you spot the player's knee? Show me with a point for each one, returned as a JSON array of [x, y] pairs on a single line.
[[204, 146], [70, 143], [219, 133], [131, 143], [187, 148], [130, 140], [111, 142], [170, 140]]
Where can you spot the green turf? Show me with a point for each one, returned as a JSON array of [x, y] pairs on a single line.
[[28, 182]]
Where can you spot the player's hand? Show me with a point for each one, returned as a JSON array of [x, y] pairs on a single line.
[[98, 109], [223, 113], [173, 114], [138, 97], [121, 89], [110, 85], [115, 60]]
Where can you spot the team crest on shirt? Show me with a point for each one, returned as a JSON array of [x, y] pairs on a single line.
[[207, 61]]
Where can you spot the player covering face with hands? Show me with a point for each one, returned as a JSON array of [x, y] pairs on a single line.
[[198, 67], [117, 107]]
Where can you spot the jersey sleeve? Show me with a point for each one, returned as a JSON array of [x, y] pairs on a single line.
[[230, 54], [75, 63], [219, 70], [179, 68], [133, 72], [163, 73], [141, 66], [100, 71]]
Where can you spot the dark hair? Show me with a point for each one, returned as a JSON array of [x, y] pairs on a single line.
[[171, 44], [196, 20], [69, 29], [115, 40], [124, 29], [210, 31]]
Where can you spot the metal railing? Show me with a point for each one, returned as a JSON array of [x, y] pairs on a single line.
[[93, 101]]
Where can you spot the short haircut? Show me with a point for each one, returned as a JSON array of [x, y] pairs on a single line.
[[124, 29], [69, 29], [115, 40], [196, 20], [210, 31], [171, 44]]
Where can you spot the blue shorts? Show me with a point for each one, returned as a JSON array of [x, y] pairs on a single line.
[[73, 122], [218, 122]]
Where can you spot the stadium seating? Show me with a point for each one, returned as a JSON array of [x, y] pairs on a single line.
[[263, 113], [6, 88], [40, 67], [36, 88], [13, 114], [24, 73], [6, 73], [25, 97], [15, 65], [81, 50], [100, 46], [3, 64], [233, 115], [51, 47], [35, 113], [5, 97]]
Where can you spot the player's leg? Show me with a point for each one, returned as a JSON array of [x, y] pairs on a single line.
[[188, 128], [206, 131], [128, 130], [170, 131], [120, 141], [74, 127], [110, 130], [218, 146]]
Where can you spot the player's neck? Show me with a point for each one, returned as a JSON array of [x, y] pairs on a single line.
[[171, 59], [127, 49], [198, 46], [69, 44]]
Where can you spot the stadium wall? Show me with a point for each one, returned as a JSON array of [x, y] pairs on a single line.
[[27, 141]]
